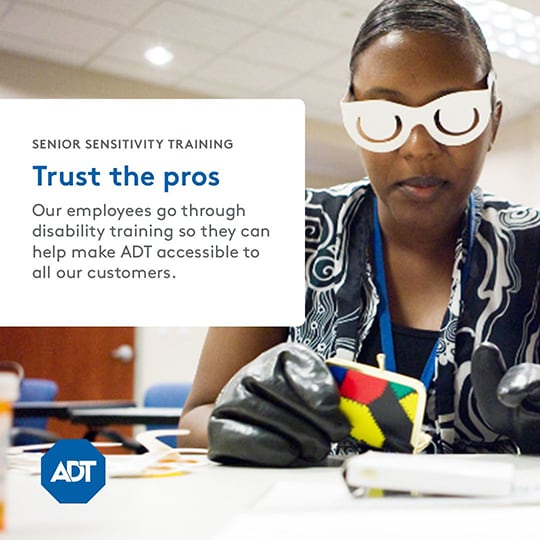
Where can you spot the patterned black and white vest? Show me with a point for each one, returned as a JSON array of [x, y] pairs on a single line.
[[499, 302]]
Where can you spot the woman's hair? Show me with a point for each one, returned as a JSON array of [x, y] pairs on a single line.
[[443, 17]]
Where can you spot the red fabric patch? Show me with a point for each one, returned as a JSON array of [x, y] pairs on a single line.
[[362, 388]]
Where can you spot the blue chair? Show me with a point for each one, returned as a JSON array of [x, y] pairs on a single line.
[[166, 395], [33, 430]]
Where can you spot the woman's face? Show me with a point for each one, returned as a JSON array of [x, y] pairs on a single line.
[[423, 184]]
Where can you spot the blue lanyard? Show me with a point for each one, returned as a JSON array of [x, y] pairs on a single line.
[[385, 324]]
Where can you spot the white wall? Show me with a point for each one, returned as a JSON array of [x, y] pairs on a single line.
[[166, 354], [512, 167]]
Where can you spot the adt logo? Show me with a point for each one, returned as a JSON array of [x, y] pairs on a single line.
[[73, 471]]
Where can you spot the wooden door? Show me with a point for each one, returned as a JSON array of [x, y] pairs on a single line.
[[85, 362]]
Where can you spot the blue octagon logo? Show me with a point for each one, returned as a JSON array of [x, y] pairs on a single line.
[[73, 471]]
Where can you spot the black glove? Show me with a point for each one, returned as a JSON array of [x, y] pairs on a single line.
[[281, 410], [508, 400]]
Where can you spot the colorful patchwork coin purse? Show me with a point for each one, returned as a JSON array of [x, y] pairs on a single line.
[[385, 409]]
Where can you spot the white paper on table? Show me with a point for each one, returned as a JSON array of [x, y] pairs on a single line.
[[160, 460]]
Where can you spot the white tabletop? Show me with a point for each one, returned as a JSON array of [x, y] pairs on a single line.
[[225, 503]]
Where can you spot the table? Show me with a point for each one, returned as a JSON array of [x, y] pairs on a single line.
[[126, 415], [225, 503], [98, 420], [62, 409], [99, 414]]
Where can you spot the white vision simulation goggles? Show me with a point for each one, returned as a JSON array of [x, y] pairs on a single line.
[[454, 119]]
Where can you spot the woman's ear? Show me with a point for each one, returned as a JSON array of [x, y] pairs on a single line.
[[495, 121]]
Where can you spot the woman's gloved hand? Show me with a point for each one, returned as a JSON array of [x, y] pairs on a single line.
[[509, 400], [281, 409]]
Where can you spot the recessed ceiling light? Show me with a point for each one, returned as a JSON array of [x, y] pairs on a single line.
[[509, 30], [530, 45], [527, 29], [507, 38], [158, 56]]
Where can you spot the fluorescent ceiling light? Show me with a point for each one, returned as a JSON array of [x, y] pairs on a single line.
[[158, 56], [509, 30]]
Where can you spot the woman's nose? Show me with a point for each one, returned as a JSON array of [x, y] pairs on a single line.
[[420, 145]]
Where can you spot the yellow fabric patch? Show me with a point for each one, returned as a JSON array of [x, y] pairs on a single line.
[[363, 425], [410, 404]]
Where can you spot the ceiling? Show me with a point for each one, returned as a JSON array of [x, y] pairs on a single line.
[[223, 48]]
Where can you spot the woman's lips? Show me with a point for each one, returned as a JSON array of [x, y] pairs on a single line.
[[422, 188]]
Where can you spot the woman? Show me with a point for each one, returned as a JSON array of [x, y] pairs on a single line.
[[416, 261]]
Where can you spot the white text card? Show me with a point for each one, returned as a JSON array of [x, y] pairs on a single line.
[[152, 212]]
